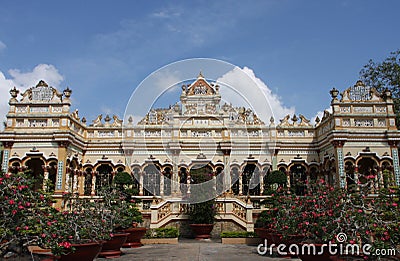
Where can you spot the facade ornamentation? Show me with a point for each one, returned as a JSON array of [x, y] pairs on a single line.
[[237, 146]]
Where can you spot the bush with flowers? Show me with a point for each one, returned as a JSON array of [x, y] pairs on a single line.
[[20, 204], [310, 217], [372, 218], [81, 221]]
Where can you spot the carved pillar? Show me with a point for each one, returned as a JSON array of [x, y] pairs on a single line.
[[356, 178], [340, 173], [45, 177], [227, 182], [175, 184], [188, 181], [262, 183], [241, 184], [75, 183], [214, 177], [395, 156], [141, 173], [6, 154], [93, 191], [82, 182], [67, 181], [162, 184]]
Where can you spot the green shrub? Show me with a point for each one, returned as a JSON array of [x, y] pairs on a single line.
[[235, 234], [162, 232]]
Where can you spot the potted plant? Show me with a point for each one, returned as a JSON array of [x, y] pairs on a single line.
[[129, 215], [112, 207], [202, 213], [76, 232]]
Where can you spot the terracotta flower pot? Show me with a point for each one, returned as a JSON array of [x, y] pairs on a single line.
[[112, 247], [202, 231], [134, 237], [87, 251]]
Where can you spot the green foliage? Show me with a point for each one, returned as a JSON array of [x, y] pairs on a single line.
[[20, 206], [385, 75], [236, 234], [123, 178], [203, 213], [163, 232], [276, 177]]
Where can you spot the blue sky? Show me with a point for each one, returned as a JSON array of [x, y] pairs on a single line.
[[102, 50]]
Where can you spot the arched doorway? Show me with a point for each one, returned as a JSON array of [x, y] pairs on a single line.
[[52, 170], [88, 181], [35, 169], [103, 177], [183, 180], [219, 172], [167, 176], [367, 171], [235, 180], [298, 178], [151, 180], [251, 180], [350, 176]]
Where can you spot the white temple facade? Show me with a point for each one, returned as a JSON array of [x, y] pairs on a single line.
[[358, 140]]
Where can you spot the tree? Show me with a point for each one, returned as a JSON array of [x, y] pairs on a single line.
[[385, 75]]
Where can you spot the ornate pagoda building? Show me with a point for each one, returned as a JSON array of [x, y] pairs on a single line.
[[357, 140]]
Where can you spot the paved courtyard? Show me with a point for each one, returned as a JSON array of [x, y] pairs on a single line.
[[195, 250]]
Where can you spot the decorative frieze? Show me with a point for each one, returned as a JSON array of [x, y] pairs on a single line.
[[39, 109], [364, 122], [362, 109]]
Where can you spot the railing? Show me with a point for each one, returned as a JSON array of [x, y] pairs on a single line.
[[164, 211]]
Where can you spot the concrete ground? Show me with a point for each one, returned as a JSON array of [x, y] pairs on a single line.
[[194, 250]]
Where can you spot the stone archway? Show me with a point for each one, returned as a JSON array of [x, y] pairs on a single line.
[[35, 169], [298, 178]]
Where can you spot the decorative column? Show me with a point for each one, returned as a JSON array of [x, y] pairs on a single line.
[[67, 179], [227, 182], [6, 154], [45, 176], [141, 173], [175, 149], [262, 182], [93, 191], [82, 181], [240, 184], [356, 177], [162, 184], [188, 183], [214, 177], [395, 156], [341, 175], [75, 183]]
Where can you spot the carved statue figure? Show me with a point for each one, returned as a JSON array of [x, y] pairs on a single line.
[[285, 120], [304, 121], [97, 121], [117, 122]]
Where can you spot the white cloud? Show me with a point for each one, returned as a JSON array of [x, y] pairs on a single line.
[[2, 46], [46, 72], [25, 80], [245, 89]]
